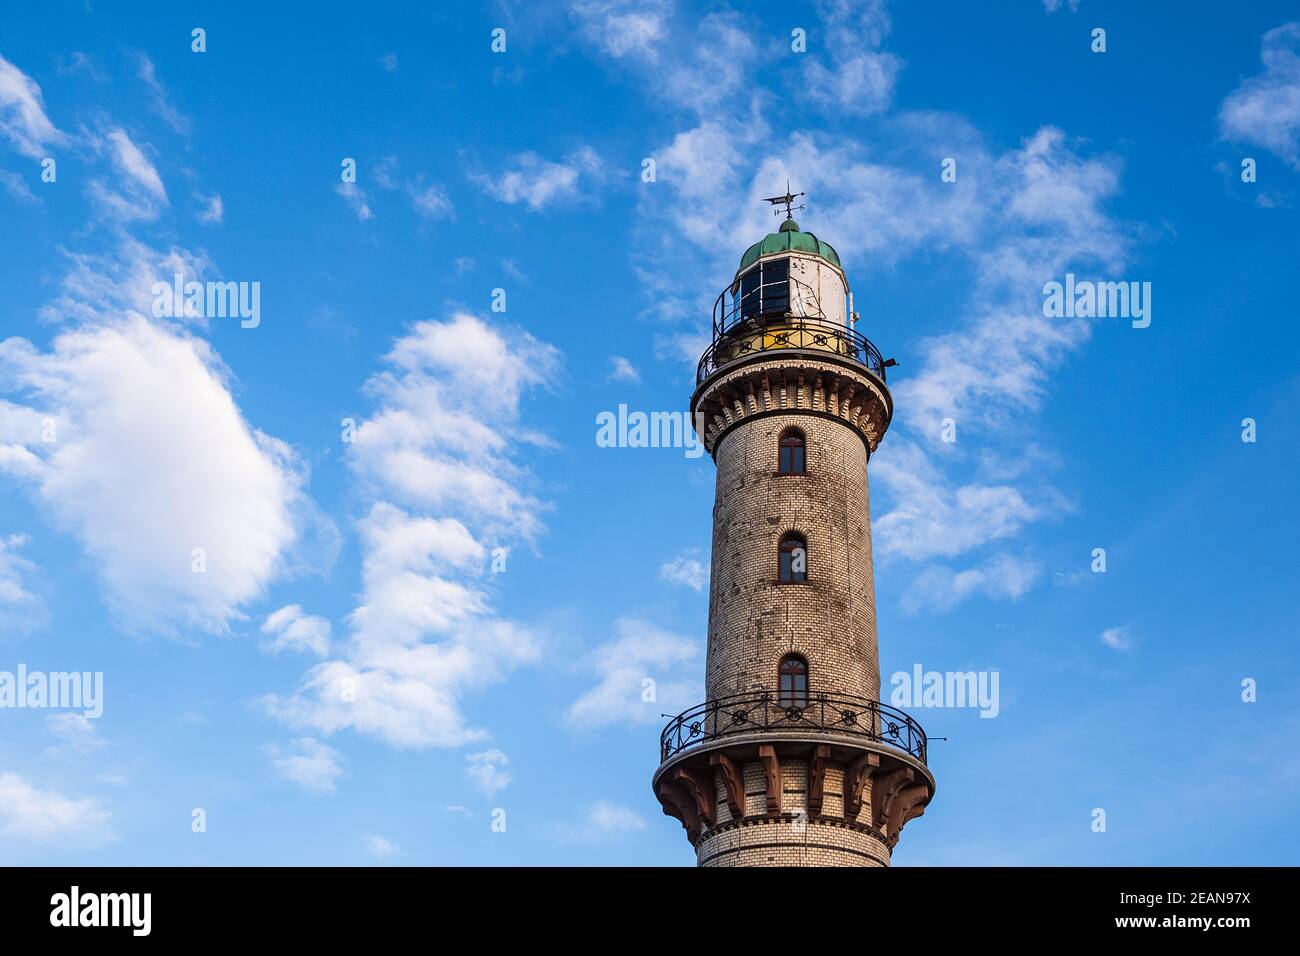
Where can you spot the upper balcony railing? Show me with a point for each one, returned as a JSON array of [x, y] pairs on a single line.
[[762, 712], [756, 317]]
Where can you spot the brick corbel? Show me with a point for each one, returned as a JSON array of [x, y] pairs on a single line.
[[884, 791], [733, 781], [817, 777], [699, 784], [856, 775], [772, 774], [907, 805], [678, 803]]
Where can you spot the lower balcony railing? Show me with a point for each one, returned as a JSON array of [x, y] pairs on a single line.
[[763, 712]]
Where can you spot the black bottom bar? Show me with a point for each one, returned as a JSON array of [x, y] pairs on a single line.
[[337, 905]]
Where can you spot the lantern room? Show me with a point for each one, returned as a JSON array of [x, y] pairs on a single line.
[[789, 292]]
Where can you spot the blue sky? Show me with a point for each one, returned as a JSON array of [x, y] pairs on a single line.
[[368, 563]]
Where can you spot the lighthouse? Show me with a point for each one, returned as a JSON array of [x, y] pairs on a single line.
[[792, 759]]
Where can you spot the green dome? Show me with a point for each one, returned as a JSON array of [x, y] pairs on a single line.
[[789, 239]]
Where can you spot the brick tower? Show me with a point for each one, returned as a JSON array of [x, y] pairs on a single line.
[[792, 760]]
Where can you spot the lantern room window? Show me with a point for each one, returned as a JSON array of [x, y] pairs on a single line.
[[765, 290]]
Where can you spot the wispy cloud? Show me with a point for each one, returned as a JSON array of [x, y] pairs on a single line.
[[938, 588], [313, 765], [861, 76], [290, 629], [604, 821], [17, 187], [538, 183], [1264, 110], [621, 370], [356, 199], [213, 211], [22, 114], [132, 162], [644, 672], [687, 571], [37, 815], [695, 63], [20, 610], [159, 101], [488, 771], [381, 848], [1117, 638]]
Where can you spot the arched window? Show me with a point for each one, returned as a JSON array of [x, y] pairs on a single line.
[[791, 453], [793, 681], [794, 559]]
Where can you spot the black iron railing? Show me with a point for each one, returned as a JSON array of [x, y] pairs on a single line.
[[752, 338], [763, 712], [745, 302]]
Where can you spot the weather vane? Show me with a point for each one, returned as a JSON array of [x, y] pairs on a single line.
[[787, 200]]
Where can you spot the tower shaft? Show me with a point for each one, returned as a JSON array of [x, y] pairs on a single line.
[[792, 759]]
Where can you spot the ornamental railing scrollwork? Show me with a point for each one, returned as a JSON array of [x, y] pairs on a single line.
[[764, 712]]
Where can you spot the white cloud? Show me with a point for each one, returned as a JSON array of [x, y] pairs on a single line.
[[624, 28], [538, 183], [17, 186], [309, 763], [1053, 5], [136, 192], [158, 99], [699, 64], [641, 652], [152, 461], [938, 588], [710, 73], [356, 200], [431, 202], [20, 610], [686, 571], [22, 113], [380, 848], [132, 162], [42, 816], [424, 633], [101, 287], [487, 770], [621, 370], [76, 735], [1264, 110], [292, 630], [1117, 638], [862, 76], [932, 516], [389, 62], [604, 821], [213, 211]]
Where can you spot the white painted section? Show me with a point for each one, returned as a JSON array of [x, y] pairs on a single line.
[[817, 290]]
